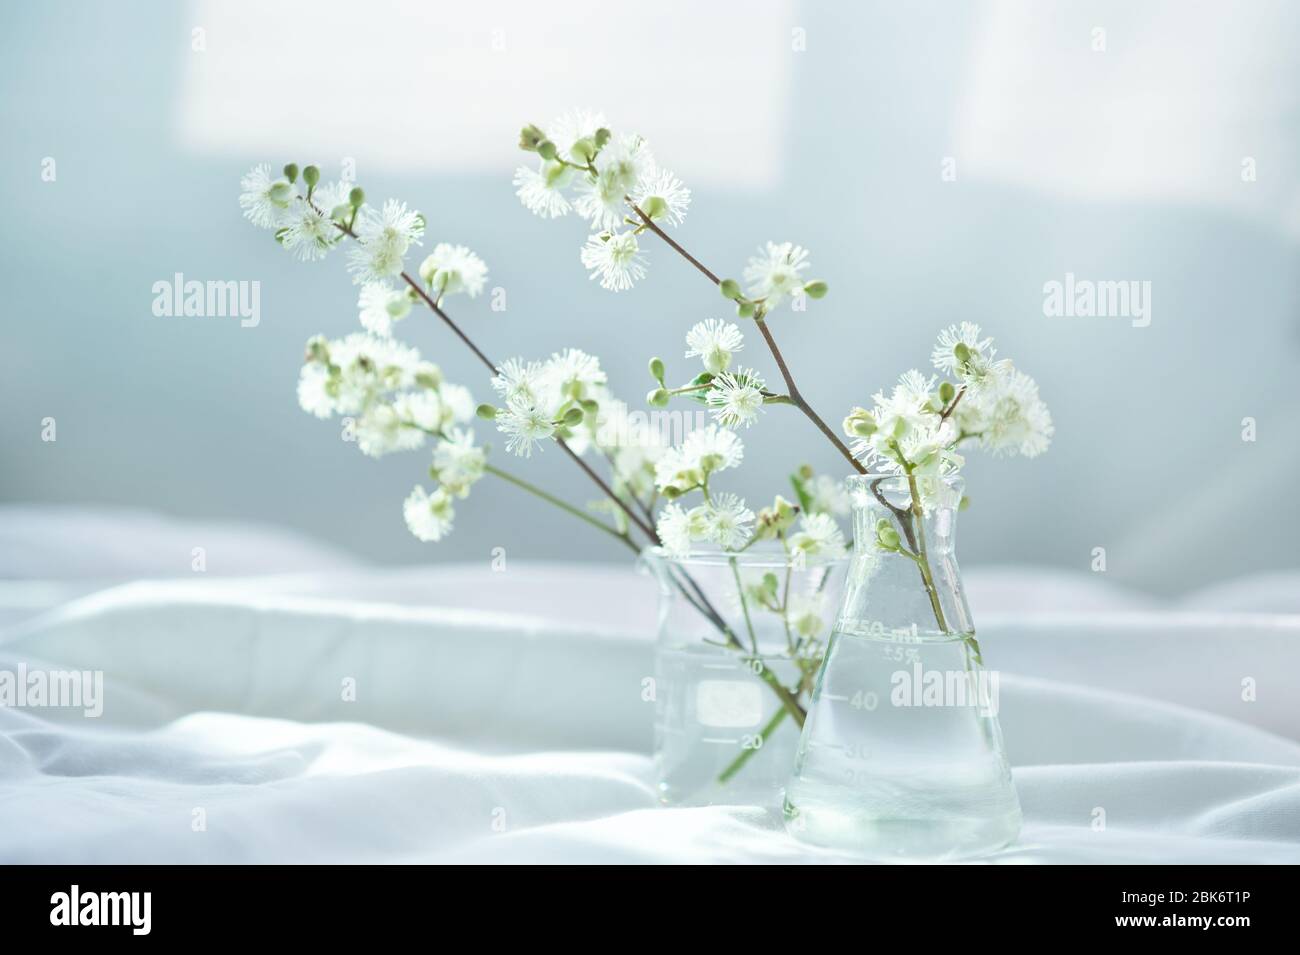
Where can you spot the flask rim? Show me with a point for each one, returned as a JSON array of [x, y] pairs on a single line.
[[863, 481], [760, 557]]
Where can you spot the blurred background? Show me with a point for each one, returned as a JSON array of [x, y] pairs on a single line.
[[942, 161]]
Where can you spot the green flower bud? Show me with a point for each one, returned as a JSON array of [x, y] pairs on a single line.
[[655, 207], [281, 192], [486, 412], [962, 352], [671, 493], [356, 197], [729, 288], [546, 149], [428, 269], [291, 172], [573, 417], [529, 137], [859, 423], [816, 289], [746, 309], [886, 537], [947, 392], [602, 137], [584, 150], [553, 172], [311, 176], [657, 369], [806, 473], [317, 350], [965, 503], [658, 398], [779, 517], [399, 308]]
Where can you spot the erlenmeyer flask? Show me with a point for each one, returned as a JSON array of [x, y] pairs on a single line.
[[901, 754]]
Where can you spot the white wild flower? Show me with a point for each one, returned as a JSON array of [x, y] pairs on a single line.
[[736, 399], [776, 272], [458, 462], [525, 426], [453, 268], [819, 536], [726, 521], [265, 198], [429, 516], [621, 165], [517, 380], [714, 342], [380, 305], [383, 238], [541, 190], [615, 259], [666, 187]]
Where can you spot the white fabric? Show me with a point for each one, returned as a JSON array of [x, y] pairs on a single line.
[[496, 719]]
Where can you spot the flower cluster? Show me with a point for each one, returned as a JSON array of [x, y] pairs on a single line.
[[396, 401], [611, 180], [734, 396], [305, 223], [917, 427], [724, 519], [393, 400], [310, 219], [557, 398]]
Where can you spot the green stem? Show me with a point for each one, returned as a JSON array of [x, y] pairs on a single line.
[[744, 605], [745, 754], [788, 700], [922, 556], [785, 603], [562, 505]]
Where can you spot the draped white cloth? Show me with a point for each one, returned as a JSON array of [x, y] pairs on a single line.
[[498, 719]]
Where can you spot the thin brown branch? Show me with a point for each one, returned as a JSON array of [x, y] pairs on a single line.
[[650, 224], [796, 398], [802, 403], [952, 406]]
